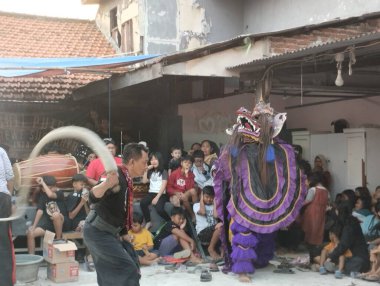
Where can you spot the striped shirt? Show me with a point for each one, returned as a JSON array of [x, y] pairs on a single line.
[[6, 172]]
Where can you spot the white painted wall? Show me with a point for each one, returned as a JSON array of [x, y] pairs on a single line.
[[209, 119]]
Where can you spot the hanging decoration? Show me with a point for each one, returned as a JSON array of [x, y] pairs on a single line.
[[339, 58]]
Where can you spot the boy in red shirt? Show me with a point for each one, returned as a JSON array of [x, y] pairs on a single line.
[[181, 186]]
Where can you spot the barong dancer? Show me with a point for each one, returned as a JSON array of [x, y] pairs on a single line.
[[258, 189]]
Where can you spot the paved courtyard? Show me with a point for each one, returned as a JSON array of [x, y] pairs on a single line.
[[158, 276]]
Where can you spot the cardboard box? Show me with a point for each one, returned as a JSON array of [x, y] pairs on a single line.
[[63, 272], [57, 252]]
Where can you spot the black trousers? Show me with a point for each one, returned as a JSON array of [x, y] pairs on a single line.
[[160, 206], [7, 263]]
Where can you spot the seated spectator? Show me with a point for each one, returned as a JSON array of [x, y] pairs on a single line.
[[172, 238], [77, 202], [95, 171], [195, 146], [157, 177], [207, 228], [210, 150], [201, 170], [142, 241], [349, 195], [181, 186], [175, 160], [371, 228], [334, 234], [376, 196], [374, 273], [351, 239], [51, 212], [362, 207]]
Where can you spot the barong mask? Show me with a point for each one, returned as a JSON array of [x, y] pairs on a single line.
[[248, 123]]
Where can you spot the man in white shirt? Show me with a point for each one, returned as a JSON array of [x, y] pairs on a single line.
[[7, 263]]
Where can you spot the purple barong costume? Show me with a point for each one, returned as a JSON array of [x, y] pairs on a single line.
[[258, 188]]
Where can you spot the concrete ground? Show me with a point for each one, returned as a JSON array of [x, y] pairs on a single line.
[[158, 276]]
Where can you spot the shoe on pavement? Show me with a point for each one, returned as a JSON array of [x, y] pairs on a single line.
[[338, 274], [322, 270]]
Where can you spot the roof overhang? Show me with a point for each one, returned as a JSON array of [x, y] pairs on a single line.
[[207, 61]]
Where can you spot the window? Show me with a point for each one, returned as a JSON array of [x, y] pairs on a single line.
[[114, 31], [127, 28]]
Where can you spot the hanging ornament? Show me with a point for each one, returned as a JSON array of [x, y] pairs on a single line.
[[351, 55], [339, 58]]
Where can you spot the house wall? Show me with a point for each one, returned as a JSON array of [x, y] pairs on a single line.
[[209, 119], [172, 25], [318, 118], [273, 15]]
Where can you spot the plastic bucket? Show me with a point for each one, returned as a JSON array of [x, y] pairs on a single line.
[[27, 266]]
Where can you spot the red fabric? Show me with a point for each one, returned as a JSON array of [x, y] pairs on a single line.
[[313, 220], [179, 183], [96, 170], [128, 199], [13, 256]]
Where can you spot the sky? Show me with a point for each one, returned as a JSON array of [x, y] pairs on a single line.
[[54, 8]]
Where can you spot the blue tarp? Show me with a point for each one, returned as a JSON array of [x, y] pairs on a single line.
[[15, 67]]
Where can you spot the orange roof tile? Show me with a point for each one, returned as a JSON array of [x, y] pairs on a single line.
[[28, 36]]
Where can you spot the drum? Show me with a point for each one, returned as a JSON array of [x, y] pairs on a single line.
[[62, 167]]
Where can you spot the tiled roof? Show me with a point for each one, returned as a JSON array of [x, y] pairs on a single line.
[[28, 36], [53, 88]]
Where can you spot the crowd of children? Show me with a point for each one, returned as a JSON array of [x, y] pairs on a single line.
[[182, 185], [342, 237]]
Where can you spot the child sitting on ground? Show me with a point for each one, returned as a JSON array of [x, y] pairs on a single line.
[[172, 238], [142, 241], [51, 212], [324, 262], [181, 186], [207, 229]]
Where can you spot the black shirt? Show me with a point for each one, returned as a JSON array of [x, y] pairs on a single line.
[[111, 207], [163, 233], [44, 199], [72, 201]]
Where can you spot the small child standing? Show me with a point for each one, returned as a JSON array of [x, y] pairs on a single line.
[[326, 265], [181, 186], [207, 229], [175, 161], [142, 241], [173, 240], [77, 202]]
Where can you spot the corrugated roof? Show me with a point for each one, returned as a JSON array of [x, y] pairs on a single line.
[[312, 50]]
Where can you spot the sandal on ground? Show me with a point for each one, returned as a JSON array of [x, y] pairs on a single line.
[[206, 276], [89, 263], [284, 271], [214, 267], [371, 278], [182, 254]]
